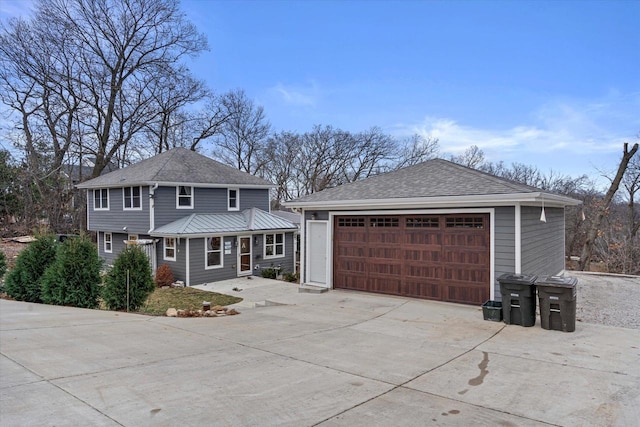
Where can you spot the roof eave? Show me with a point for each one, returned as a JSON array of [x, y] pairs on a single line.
[[441, 201], [88, 185], [222, 233]]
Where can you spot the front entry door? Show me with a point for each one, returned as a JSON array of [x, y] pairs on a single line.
[[244, 256]]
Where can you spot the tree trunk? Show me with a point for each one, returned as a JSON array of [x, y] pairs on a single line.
[[587, 249]]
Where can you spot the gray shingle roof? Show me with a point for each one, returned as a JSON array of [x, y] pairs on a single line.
[[253, 219], [177, 165], [433, 178]]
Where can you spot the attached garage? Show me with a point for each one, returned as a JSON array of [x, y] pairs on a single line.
[[436, 230], [441, 257]]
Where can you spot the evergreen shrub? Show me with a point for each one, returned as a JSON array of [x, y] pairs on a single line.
[[23, 281], [114, 291], [74, 278]]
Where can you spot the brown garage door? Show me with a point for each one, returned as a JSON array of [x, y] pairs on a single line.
[[441, 257]]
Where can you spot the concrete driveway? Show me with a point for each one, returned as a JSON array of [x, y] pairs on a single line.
[[338, 358]]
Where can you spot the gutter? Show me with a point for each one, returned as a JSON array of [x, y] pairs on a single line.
[[487, 200]]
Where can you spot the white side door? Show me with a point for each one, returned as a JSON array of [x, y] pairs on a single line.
[[317, 252]]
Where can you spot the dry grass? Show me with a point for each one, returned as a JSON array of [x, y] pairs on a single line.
[[183, 298]]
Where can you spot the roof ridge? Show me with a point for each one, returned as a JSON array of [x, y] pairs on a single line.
[[187, 222], [170, 155], [512, 183]]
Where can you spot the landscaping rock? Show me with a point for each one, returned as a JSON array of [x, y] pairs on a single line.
[[224, 311], [171, 312]]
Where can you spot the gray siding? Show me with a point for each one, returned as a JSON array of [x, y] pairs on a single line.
[[542, 242], [200, 275], [286, 263], [505, 244], [136, 221], [254, 198], [117, 246], [206, 201], [178, 267]]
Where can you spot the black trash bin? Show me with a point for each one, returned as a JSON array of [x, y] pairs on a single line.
[[557, 297], [518, 298]]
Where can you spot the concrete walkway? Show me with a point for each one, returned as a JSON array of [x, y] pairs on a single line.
[[339, 358]]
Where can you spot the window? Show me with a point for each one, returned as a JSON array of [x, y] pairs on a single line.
[[101, 199], [465, 222], [274, 245], [234, 199], [108, 248], [423, 222], [384, 222], [133, 237], [184, 197], [132, 199], [169, 249], [350, 222], [213, 252]]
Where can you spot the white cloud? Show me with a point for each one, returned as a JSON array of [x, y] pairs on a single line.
[[560, 127], [297, 95]]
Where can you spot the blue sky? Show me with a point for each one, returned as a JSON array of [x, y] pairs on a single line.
[[554, 84]]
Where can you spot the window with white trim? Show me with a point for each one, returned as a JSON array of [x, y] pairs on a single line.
[[132, 237], [101, 199], [108, 246], [169, 249], [132, 198], [213, 252], [233, 196], [184, 197], [274, 245]]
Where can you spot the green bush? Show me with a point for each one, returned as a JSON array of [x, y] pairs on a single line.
[[290, 277], [3, 265], [269, 273], [114, 292], [74, 278], [23, 281]]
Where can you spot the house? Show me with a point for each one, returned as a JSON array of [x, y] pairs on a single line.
[[206, 220], [435, 230]]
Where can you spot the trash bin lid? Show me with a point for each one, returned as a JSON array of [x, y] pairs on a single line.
[[517, 279], [557, 281]]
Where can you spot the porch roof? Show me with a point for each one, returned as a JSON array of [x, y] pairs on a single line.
[[247, 221]]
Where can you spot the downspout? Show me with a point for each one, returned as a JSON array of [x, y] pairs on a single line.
[[152, 205], [518, 239], [187, 262]]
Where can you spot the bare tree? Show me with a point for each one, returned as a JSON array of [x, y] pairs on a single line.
[[587, 249], [243, 133], [473, 157], [122, 49], [83, 79], [631, 184], [171, 93], [415, 149], [281, 153]]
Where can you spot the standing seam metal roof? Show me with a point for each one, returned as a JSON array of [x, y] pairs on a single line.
[[253, 219]]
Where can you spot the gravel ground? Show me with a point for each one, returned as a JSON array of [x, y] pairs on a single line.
[[608, 299]]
